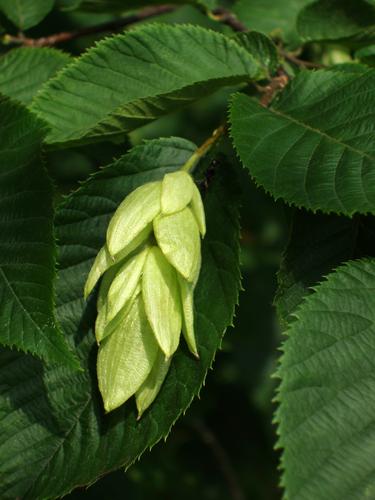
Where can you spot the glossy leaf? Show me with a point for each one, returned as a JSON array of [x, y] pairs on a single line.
[[34, 462], [27, 246], [309, 148], [127, 80]]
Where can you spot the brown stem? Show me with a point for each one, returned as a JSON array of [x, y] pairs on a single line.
[[116, 25], [223, 461], [300, 62], [227, 17]]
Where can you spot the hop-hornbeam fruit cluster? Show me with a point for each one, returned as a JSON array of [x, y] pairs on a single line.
[[149, 267]]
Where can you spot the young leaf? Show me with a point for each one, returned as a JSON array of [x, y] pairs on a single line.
[[26, 13], [178, 237], [177, 192], [34, 459], [161, 296], [25, 70], [309, 148], [149, 80], [327, 390], [150, 388], [26, 240], [351, 20], [126, 357]]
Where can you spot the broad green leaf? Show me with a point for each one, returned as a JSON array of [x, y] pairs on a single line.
[[150, 388], [45, 460], [366, 54], [177, 192], [26, 13], [262, 48], [161, 296], [327, 391], [314, 148], [26, 240], [133, 216], [277, 18], [129, 79], [25, 70], [126, 357], [178, 237], [352, 20]]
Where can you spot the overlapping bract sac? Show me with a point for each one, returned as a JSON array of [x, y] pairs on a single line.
[[149, 267]]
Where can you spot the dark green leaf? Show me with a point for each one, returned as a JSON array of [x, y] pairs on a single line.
[[272, 17], [317, 244], [121, 5], [56, 435], [352, 20], [130, 79], [23, 71], [314, 148], [26, 240], [327, 392], [262, 48], [26, 13]]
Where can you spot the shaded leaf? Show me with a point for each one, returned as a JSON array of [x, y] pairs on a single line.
[[26, 240], [262, 48], [270, 17], [26, 13], [352, 20]]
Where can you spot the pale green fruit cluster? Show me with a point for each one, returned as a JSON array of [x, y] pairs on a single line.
[[150, 265]]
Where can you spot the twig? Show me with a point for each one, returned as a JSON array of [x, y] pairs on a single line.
[[276, 84], [300, 62], [203, 149], [227, 17], [66, 36], [223, 461]]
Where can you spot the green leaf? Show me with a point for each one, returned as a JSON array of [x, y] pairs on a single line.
[[262, 48], [26, 240], [25, 70], [127, 80], [352, 20], [327, 391], [276, 18], [56, 435], [314, 148], [26, 13]]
